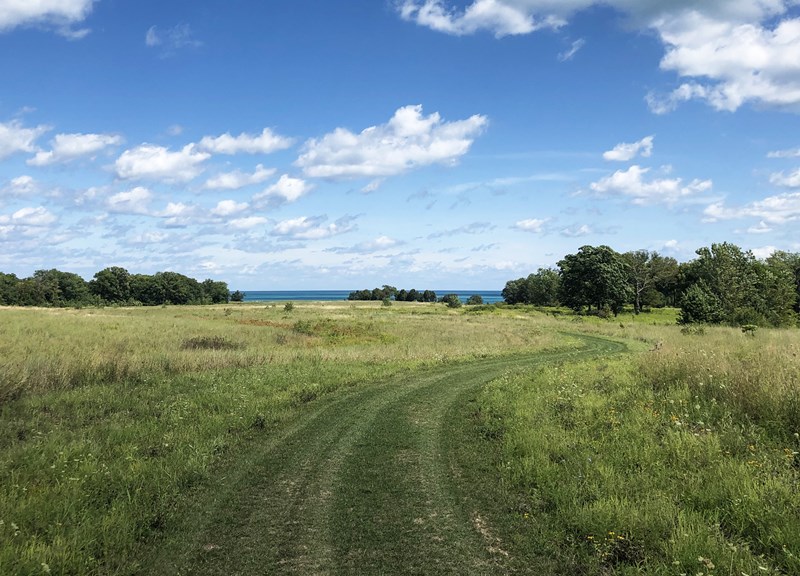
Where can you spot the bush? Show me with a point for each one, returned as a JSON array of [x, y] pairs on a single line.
[[452, 300]]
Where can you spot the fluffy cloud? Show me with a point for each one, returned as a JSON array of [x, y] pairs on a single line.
[[737, 50], [14, 137], [285, 190], [409, 140], [264, 143], [630, 183], [791, 180], [535, 225], [158, 163], [625, 151], [502, 18], [780, 209], [67, 147], [20, 186], [237, 179], [136, 201], [29, 217], [229, 207], [742, 62], [60, 13], [306, 228]]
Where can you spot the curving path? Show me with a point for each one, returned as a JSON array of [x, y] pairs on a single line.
[[365, 483]]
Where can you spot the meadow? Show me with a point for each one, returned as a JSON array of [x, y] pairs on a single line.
[[678, 456]]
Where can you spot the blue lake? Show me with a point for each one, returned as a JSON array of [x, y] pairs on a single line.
[[489, 296]]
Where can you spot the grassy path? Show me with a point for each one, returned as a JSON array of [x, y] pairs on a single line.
[[369, 482]]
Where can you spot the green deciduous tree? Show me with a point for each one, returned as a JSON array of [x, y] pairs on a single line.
[[595, 276], [112, 284], [539, 289]]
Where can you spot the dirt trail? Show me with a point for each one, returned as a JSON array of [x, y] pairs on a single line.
[[362, 484]]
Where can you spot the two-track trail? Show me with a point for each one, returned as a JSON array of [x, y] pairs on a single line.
[[362, 483]]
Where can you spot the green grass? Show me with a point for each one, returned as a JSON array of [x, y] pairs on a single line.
[[358, 438], [674, 461]]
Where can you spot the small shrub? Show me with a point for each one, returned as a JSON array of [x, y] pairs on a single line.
[[749, 329], [210, 343], [693, 330], [288, 307], [387, 302], [452, 300]]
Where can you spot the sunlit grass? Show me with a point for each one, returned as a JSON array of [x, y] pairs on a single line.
[[672, 460], [110, 415], [683, 459]]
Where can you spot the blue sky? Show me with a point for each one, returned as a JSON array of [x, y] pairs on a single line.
[[310, 144]]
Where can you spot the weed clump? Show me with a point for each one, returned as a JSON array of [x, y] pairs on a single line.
[[210, 343]]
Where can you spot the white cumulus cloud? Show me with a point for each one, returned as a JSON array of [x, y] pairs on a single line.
[[67, 147], [779, 209], [237, 179], [30, 216], [631, 184], [14, 137], [409, 140], [135, 201], [265, 143], [285, 190], [731, 52], [58, 13], [791, 180], [628, 151], [535, 225], [20, 186], [229, 207], [153, 162], [308, 228]]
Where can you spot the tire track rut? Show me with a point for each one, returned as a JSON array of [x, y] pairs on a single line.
[[361, 484]]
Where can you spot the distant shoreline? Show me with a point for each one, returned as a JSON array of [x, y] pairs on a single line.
[[489, 296]]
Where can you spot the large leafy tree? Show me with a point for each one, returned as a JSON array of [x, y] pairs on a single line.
[[790, 262], [112, 284], [8, 289], [56, 288], [215, 292], [647, 272], [539, 289], [595, 276]]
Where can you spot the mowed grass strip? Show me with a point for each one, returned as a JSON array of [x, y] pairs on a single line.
[[109, 419], [362, 486]]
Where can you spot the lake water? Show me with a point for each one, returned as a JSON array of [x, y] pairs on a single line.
[[489, 296]]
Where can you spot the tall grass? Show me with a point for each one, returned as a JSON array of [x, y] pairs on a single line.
[[108, 417], [681, 460]]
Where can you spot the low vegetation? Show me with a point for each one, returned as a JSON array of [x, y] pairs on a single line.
[[681, 460], [679, 457]]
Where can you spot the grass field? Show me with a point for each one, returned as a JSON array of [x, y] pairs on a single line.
[[358, 438]]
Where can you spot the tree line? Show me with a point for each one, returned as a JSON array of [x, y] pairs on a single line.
[[113, 285], [722, 285], [391, 293]]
